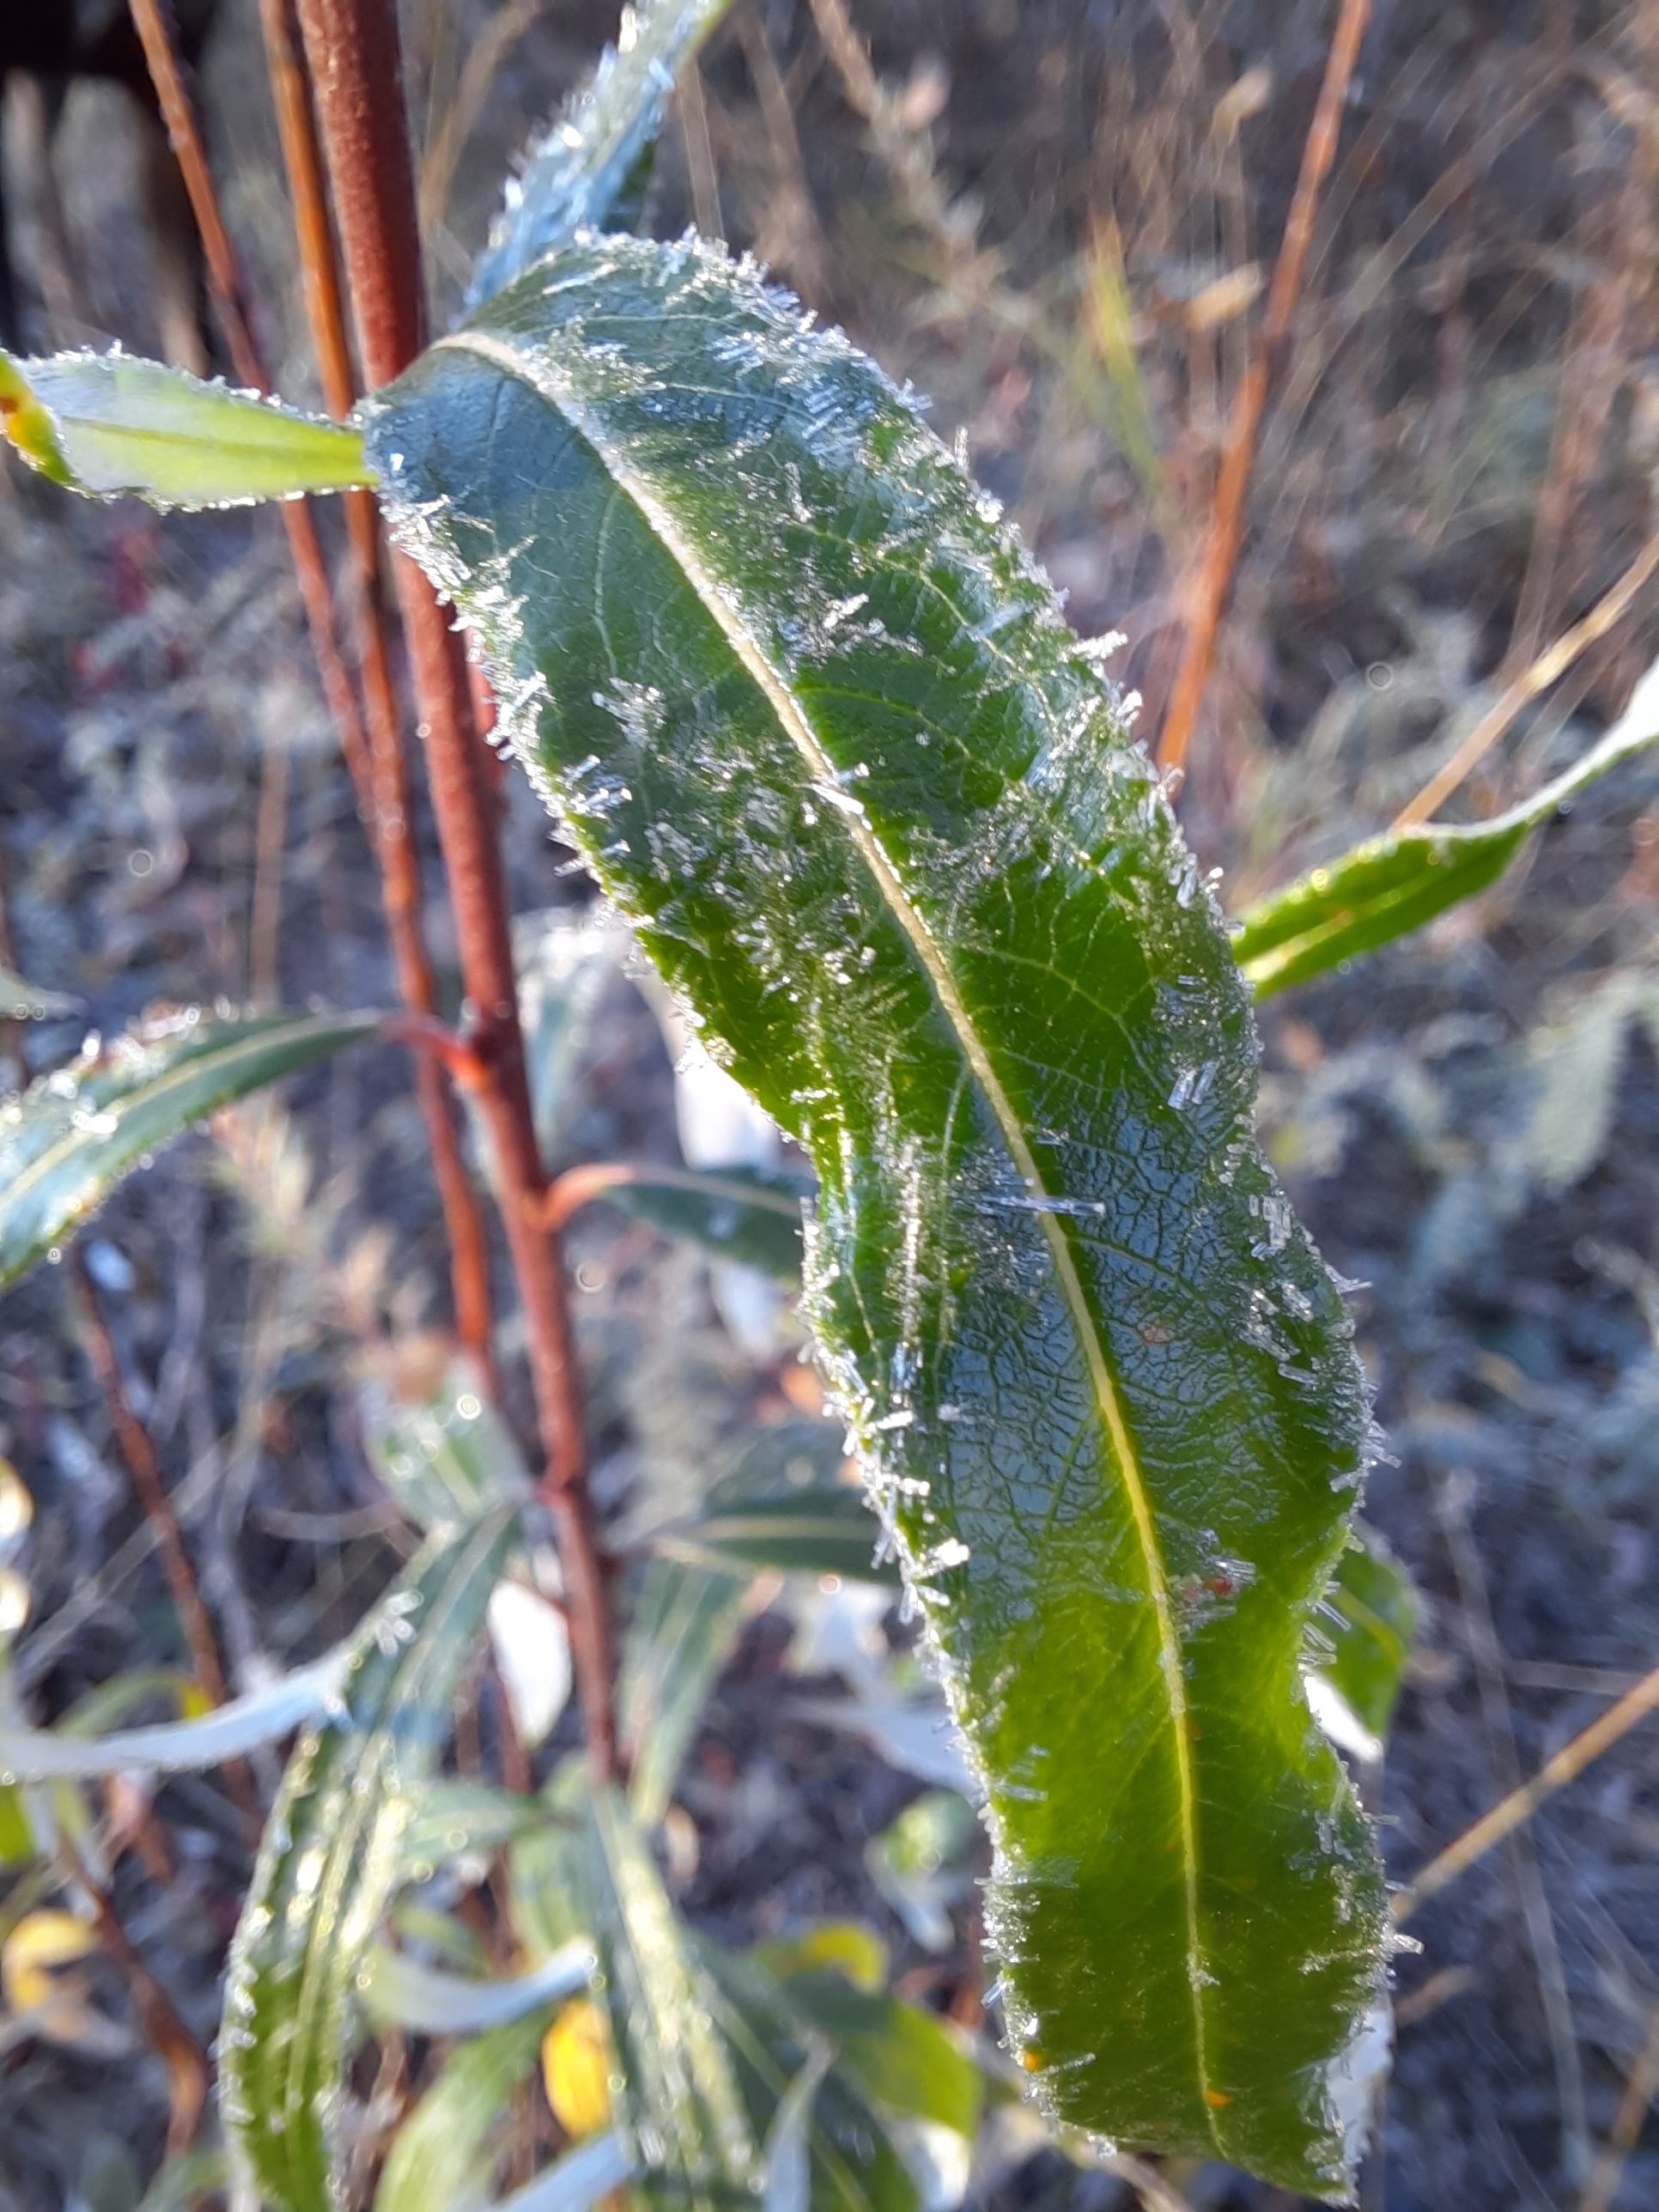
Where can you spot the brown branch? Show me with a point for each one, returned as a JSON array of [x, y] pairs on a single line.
[[189, 2069], [386, 791], [1219, 555], [1520, 1804], [1640, 2090], [352, 48]]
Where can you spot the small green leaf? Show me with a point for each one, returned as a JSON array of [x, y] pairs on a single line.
[[1368, 1620], [105, 424], [17, 1844], [685, 1623], [736, 1213], [330, 1857], [821, 730], [446, 2153], [682, 2115], [1393, 885], [578, 169], [74, 1134]]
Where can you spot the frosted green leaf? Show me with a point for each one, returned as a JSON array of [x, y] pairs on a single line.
[[104, 424], [820, 729]]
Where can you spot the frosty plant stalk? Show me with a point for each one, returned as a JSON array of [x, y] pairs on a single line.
[[815, 722]]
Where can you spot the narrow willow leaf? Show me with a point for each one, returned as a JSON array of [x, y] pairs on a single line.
[[24, 1002], [1368, 1621], [577, 170], [821, 730], [683, 2116], [104, 424], [454, 1819], [855, 2165], [900, 2057], [1393, 885], [329, 1860], [73, 1135], [230, 1731], [399, 1992], [783, 1506], [446, 2153], [443, 1450], [577, 2180], [685, 1625], [737, 1212]]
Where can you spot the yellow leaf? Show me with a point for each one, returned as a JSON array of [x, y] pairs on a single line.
[[576, 2069], [40, 1941], [844, 1946]]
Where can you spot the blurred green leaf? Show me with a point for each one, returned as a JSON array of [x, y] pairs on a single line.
[[445, 2154], [586, 160], [920, 1864], [564, 961], [685, 1623], [446, 1455], [330, 1861], [74, 1134], [23, 1002], [185, 2180], [902, 2057], [17, 1844], [1393, 885], [847, 1947], [575, 2181], [783, 1505], [104, 424], [452, 1820], [399, 1992], [681, 2113], [737, 1212], [1369, 1619]]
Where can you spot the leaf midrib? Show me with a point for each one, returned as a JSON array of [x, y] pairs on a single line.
[[775, 690]]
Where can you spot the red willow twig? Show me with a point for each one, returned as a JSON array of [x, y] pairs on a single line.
[[378, 764], [352, 50], [390, 796], [1219, 554]]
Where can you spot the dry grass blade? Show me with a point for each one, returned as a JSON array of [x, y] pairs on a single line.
[[1554, 662], [1568, 1763], [1640, 2090], [490, 50], [1219, 554]]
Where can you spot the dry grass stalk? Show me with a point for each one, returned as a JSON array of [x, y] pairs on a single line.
[[1220, 556], [1640, 2090]]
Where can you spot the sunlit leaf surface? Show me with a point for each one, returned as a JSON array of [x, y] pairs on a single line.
[[332, 1855], [105, 423], [72, 1135], [1393, 885], [822, 732]]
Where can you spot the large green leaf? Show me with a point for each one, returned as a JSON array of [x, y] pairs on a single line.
[[583, 165], [1394, 883], [821, 730], [105, 423], [73, 1135], [331, 1858]]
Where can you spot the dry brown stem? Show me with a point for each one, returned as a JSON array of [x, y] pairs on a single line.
[[352, 47], [1219, 555]]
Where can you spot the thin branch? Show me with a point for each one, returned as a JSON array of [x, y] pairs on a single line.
[[1640, 2090], [1219, 555], [1554, 661], [1568, 1763], [355, 67], [133, 1440], [387, 794]]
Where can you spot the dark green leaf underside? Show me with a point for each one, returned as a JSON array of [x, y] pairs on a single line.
[[73, 1135], [822, 732]]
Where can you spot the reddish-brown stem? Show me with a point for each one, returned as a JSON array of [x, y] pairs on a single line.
[[351, 46], [424, 1033], [1219, 555], [138, 1455], [387, 794], [163, 2025]]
